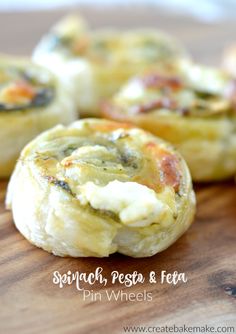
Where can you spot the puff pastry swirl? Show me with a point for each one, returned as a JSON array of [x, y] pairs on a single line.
[[193, 109], [31, 101], [99, 187], [98, 62]]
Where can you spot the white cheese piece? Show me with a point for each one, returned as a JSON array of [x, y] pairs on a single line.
[[135, 204], [213, 80], [132, 91]]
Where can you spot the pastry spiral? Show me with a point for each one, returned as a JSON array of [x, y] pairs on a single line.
[[193, 109], [31, 101], [99, 187], [98, 62]]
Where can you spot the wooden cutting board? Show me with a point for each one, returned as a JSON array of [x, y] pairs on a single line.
[[31, 303]]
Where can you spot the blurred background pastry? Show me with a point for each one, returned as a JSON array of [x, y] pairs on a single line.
[[32, 100], [97, 62], [193, 109]]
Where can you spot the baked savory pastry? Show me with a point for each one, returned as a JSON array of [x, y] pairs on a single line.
[[99, 187], [31, 101], [98, 62], [193, 110]]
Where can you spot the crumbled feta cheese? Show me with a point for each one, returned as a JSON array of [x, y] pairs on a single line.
[[135, 204]]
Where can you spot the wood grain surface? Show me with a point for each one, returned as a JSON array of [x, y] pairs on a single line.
[[30, 303]]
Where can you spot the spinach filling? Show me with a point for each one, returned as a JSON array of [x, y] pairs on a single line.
[[43, 92], [43, 98]]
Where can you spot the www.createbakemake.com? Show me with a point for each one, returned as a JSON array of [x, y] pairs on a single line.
[[85, 281]]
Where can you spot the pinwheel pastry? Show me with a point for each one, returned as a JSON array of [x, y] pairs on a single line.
[[99, 187], [193, 110], [31, 101], [98, 62]]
